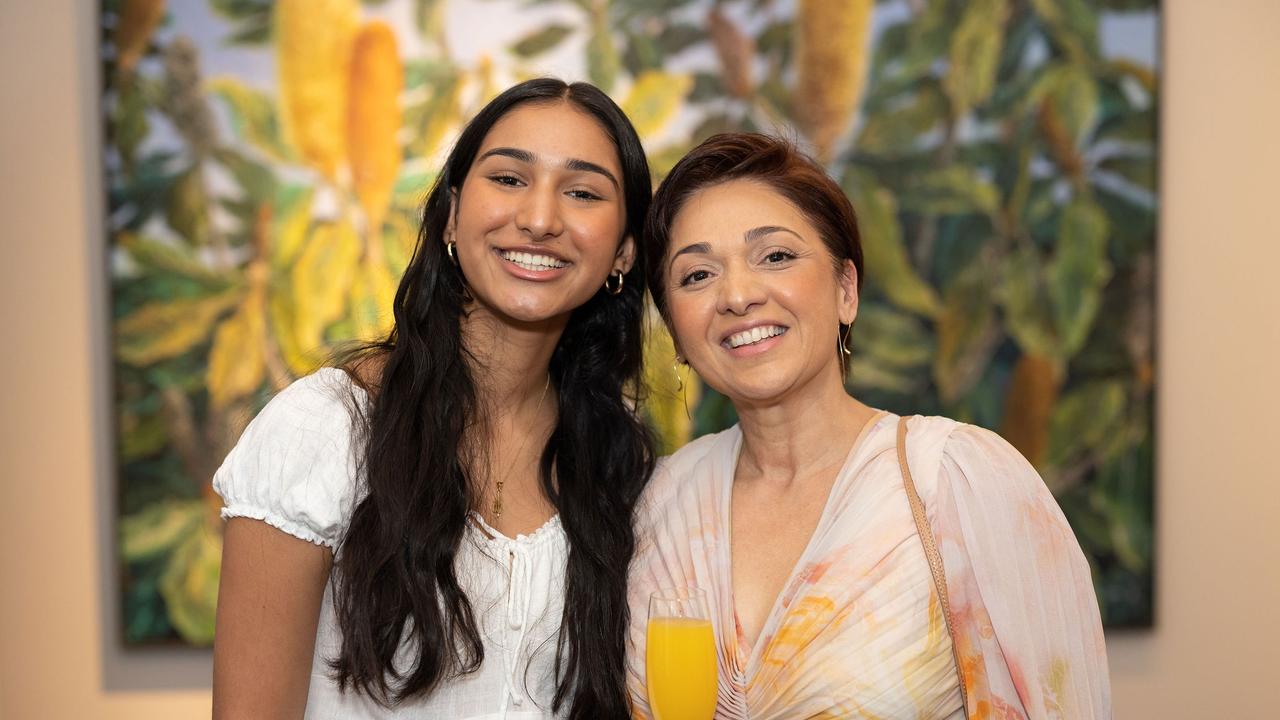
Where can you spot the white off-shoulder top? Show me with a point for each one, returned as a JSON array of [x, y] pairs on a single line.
[[294, 469], [858, 631]]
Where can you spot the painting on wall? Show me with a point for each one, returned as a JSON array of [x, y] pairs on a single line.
[[266, 160]]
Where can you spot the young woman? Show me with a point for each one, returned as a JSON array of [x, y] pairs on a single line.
[[441, 528], [857, 564]]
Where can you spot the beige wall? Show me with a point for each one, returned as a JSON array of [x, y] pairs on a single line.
[[1212, 655]]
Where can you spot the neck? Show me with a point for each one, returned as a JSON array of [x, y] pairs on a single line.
[[511, 360], [809, 429]]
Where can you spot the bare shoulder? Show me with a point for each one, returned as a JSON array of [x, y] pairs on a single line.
[[366, 370]]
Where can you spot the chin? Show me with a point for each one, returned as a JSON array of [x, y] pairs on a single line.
[[762, 387]]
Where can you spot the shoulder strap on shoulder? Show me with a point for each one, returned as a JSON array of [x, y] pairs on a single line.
[[931, 553]]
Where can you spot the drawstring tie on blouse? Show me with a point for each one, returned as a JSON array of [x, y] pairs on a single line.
[[517, 616]]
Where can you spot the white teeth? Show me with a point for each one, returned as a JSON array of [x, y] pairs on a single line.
[[755, 335], [529, 261]]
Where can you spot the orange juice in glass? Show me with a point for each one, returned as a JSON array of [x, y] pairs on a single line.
[[680, 656]]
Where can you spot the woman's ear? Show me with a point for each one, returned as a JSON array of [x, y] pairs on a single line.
[[452, 226], [847, 281], [626, 255]]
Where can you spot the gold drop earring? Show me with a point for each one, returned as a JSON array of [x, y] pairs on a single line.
[[684, 397]]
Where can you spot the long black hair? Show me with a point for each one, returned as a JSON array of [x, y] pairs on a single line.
[[394, 571]]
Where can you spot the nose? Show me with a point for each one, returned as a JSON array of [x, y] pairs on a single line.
[[538, 215], [739, 290]]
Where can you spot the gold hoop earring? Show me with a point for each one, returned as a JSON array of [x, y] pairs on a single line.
[[450, 249], [684, 397], [614, 289]]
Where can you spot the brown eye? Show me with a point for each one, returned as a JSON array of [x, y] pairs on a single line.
[[695, 276]]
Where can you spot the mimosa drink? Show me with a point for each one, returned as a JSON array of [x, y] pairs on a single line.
[[681, 667]]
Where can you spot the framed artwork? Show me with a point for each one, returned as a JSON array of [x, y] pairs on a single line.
[[266, 161]]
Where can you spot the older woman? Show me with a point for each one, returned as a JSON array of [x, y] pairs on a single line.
[[856, 563]]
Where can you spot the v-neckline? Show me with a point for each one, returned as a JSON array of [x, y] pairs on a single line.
[[744, 666]]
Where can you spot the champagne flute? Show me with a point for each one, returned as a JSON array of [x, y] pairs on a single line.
[[680, 656]]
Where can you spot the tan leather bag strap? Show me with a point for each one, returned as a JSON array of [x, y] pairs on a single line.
[[931, 554]]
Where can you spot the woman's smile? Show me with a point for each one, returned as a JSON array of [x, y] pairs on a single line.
[[754, 340], [536, 264]]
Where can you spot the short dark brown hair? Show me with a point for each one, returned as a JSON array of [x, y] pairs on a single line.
[[772, 161]]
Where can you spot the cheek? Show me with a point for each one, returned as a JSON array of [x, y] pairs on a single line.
[[596, 233], [688, 324], [481, 210]]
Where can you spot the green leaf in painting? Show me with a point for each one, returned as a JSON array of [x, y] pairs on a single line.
[[928, 36], [642, 54], [1122, 491], [255, 179], [240, 9], [602, 57], [1078, 273], [953, 190], [159, 527], [897, 130], [678, 37], [1084, 419], [1026, 307], [865, 374], [251, 20], [189, 584], [253, 117], [883, 248], [187, 210], [1071, 95], [1138, 170], [141, 435], [129, 126], [891, 337], [975, 54], [321, 281], [1073, 25], [291, 220], [254, 34], [434, 116], [541, 41], [967, 331], [161, 330], [655, 98], [163, 257]]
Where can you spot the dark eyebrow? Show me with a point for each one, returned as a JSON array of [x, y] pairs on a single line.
[[750, 236], [523, 156], [700, 248], [756, 233], [584, 166], [575, 164]]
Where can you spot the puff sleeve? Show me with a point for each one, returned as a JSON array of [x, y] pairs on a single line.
[[1028, 632], [293, 468]]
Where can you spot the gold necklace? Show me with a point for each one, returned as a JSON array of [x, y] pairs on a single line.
[[497, 495]]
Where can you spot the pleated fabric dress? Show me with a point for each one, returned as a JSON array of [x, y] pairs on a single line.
[[859, 630]]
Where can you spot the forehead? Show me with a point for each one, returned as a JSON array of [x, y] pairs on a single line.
[[554, 131], [727, 210]]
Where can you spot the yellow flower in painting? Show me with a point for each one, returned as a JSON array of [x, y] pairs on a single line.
[[373, 121], [831, 67], [314, 39]]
